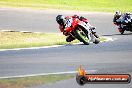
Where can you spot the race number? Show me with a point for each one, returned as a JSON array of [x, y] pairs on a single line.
[[68, 22]]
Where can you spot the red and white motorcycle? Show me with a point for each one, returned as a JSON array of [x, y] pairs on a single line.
[[81, 31]]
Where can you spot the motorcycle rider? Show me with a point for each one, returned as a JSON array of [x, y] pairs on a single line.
[[65, 22], [116, 17], [121, 19]]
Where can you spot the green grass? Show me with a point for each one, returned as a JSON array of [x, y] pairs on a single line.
[[31, 81], [10, 40], [83, 5]]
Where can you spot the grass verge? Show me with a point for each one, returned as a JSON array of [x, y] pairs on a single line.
[[84, 5], [10, 40], [31, 81]]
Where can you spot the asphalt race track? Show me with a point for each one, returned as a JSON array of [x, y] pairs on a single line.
[[108, 57]]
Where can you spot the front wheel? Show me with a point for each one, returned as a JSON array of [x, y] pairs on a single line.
[[122, 31], [82, 36]]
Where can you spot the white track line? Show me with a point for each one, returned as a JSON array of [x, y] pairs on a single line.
[[31, 48], [44, 74]]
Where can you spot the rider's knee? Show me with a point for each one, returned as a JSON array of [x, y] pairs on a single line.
[[69, 39]]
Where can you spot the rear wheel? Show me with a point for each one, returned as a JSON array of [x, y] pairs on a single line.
[[82, 36], [96, 41]]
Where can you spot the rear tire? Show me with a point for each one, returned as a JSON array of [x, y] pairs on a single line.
[[96, 41], [96, 38]]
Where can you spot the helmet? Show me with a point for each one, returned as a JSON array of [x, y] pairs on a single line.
[[60, 19], [117, 14]]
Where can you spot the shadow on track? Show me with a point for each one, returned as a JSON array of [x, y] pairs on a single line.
[[118, 34]]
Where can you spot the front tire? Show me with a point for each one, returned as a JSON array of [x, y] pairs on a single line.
[[82, 36], [122, 32]]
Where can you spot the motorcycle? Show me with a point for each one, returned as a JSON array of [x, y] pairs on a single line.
[[81, 31], [123, 26]]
